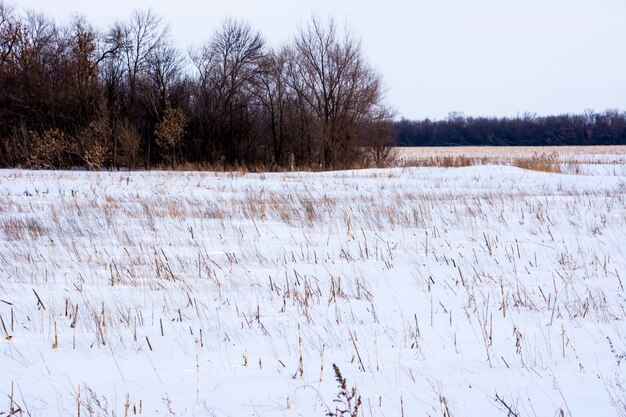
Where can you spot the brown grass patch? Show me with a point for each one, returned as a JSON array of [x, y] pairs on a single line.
[[446, 161], [20, 229], [543, 163]]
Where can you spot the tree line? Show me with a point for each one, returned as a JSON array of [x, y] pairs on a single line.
[[589, 128], [74, 96]]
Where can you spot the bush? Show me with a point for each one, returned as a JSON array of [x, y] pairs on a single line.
[[169, 132], [94, 143], [48, 149]]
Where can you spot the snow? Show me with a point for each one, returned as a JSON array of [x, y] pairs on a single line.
[[434, 290]]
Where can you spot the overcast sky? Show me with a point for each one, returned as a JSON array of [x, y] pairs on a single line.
[[479, 57]]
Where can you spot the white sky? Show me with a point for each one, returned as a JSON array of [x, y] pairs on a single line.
[[479, 57]]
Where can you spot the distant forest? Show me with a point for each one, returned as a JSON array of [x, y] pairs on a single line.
[[607, 128]]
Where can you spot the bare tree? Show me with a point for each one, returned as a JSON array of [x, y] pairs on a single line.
[[9, 31], [228, 64], [379, 143], [275, 98], [163, 75], [31, 66], [137, 75], [140, 37], [339, 88]]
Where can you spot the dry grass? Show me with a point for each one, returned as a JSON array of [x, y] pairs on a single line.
[[407, 153], [446, 161], [15, 228], [242, 168], [540, 158], [543, 163], [547, 159], [536, 162]]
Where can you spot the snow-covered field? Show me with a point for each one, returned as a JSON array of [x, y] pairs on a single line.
[[477, 291]]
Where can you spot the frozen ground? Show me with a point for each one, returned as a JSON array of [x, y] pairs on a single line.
[[478, 291]]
